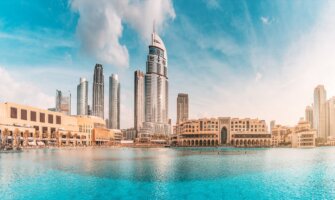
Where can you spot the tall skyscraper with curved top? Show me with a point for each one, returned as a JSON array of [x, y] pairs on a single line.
[[156, 87], [98, 92]]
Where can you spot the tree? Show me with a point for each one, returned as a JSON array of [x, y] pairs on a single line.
[[25, 137]]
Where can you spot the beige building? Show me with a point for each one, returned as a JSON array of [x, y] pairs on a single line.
[[309, 115], [222, 131], [281, 135], [249, 133], [303, 136], [31, 126], [319, 111], [330, 117]]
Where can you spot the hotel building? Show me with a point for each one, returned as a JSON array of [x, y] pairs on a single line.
[[156, 90], [30, 126], [222, 131], [182, 107]]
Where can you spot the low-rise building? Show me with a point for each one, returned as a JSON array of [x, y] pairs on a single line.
[[129, 134], [303, 136], [222, 131], [281, 135], [30, 126]]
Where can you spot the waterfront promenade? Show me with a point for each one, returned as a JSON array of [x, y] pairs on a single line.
[[168, 173]]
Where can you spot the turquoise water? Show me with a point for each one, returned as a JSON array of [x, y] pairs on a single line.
[[168, 174]]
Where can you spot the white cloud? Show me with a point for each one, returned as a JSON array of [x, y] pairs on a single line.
[[17, 91], [265, 20], [101, 22], [213, 4], [270, 89]]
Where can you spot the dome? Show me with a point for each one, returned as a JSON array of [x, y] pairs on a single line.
[[158, 42]]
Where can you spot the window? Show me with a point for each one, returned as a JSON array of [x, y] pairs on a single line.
[[50, 119], [58, 120], [33, 116], [23, 114], [42, 117], [13, 113], [44, 129], [36, 128], [52, 130]]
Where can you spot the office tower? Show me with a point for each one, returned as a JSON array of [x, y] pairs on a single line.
[[156, 87], [63, 103], [138, 100], [319, 111], [98, 92], [309, 115], [272, 125], [182, 108], [82, 97], [114, 102], [330, 117]]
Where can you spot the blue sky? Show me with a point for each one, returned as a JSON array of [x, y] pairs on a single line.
[[235, 58]]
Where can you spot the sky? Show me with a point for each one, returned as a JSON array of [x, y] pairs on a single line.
[[237, 58]]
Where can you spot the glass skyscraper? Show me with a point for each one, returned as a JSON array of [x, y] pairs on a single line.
[[98, 92], [182, 108], [156, 88], [139, 113], [114, 102], [82, 97]]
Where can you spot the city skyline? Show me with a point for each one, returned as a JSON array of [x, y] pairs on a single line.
[[221, 71]]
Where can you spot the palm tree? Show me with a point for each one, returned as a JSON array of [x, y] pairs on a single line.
[[25, 137], [16, 138], [5, 134], [57, 137]]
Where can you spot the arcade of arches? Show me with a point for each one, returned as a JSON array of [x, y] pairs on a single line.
[[251, 142], [199, 142]]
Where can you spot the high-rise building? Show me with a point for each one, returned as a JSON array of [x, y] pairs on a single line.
[[98, 92], [114, 102], [82, 97], [182, 108], [63, 103], [272, 125], [309, 115], [330, 117], [139, 100], [156, 88], [319, 111]]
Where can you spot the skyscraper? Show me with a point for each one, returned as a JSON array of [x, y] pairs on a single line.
[[114, 102], [82, 97], [63, 103], [156, 87], [319, 111], [272, 125], [138, 100], [330, 117], [182, 107], [98, 92], [309, 115]]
